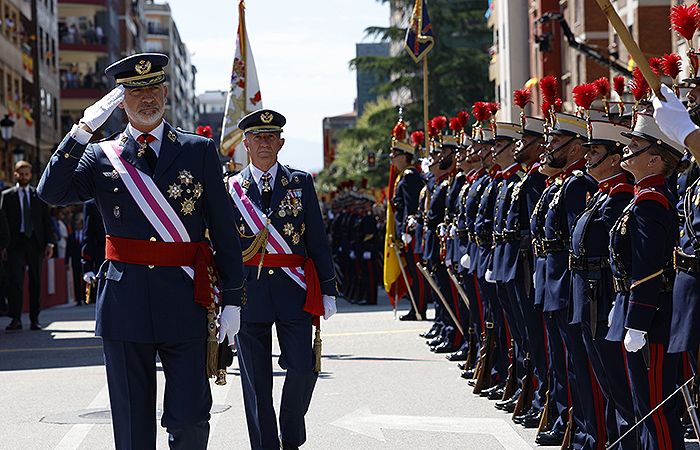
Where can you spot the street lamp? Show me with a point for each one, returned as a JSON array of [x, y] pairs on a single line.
[[17, 155]]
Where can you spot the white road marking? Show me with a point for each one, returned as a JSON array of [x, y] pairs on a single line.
[[364, 422], [77, 433]]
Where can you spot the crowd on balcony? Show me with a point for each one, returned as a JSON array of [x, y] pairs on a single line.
[[72, 34], [72, 78]]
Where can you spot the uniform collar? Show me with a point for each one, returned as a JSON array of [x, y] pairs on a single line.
[[511, 170], [610, 182], [552, 179], [650, 181], [257, 173], [157, 133], [578, 165], [495, 171]]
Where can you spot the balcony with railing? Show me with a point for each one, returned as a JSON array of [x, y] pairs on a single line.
[[104, 3], [158, 30], [80, 36], [77, 85]]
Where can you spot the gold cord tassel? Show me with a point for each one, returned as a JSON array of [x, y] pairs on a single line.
[[317, 351], [212, 343]]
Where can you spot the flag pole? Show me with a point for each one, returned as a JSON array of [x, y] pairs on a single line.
[[425, 97]]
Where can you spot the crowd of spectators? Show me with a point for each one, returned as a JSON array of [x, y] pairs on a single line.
[[72, 78], [72, 34]]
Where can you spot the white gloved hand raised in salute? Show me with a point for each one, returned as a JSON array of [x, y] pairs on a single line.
[[229, 323], [97, 114], [672, 117]]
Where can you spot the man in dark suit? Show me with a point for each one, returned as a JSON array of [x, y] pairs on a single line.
[[73, 246], [159, 190], [31, 239]]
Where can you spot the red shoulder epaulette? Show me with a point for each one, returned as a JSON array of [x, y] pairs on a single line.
[[649, 194], [622, 187]]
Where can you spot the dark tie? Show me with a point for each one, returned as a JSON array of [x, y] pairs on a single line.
[[149, 154], [266, 190], [27, 212]]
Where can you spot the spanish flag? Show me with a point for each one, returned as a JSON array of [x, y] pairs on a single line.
[[393, 280]]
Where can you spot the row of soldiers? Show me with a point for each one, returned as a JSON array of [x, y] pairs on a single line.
[[563, 257], [355, 237]]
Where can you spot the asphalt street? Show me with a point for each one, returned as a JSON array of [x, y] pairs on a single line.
[[380, 389]]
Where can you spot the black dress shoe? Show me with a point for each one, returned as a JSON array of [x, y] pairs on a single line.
[[288, 446], [411, 316], [520, 417], [434, 342], [432, 333], [35, 326], [462, 366], [532, 421], [445, 347], [553, 437], [459, 355], [468, 374], [508, 404], [496, 394], [15, 325]]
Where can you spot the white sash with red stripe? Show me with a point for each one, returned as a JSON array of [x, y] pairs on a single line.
[[257, 221], [149, 199]]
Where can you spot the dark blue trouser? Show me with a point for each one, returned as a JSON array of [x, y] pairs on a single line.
[[131, 377], [449, 292], [254, 342], [608, 362], [661, 431], [558, 381], [535, 336], [589, 414], [494, 313], [516, 326]]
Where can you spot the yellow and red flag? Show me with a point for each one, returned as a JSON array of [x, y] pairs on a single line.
[[393, 280]]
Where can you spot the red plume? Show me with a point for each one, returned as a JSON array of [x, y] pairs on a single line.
[[463, 117], [481, 111], [455, 124], [548, 88], [522, 97], [639, 86], [685, 20], [418, 137], [656, 65], [399, 131], [432, 130], [200, 130], [546, 106], [439, 122], [671, 65], [619, 85], [603, 86], [558, 104], [494, 107], [585, 94]]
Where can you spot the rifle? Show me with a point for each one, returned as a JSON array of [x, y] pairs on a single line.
[[441, 296], [483, 378], [458, 286], [471, 350], [544, 418], [511, 380], [528, 390], [408, 285], [569, 434]]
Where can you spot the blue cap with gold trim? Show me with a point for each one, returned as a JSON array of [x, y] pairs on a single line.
[[139, 70], [262, 121]]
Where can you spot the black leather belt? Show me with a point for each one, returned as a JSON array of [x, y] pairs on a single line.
[[587, 264], [553, 245], [537, 248], [684, 262], [484, 239], [498, 238]]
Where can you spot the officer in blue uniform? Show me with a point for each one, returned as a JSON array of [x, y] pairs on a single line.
[[291, 236], [641, 252], [565, 152], [148, 308], [592, 290], [406, 205]]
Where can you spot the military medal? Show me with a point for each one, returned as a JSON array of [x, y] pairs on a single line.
[[142, 149], [116, 212]]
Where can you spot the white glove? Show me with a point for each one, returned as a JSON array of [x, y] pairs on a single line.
[[489, 276], [464, 261], [89, 277], [611, 314], [453, 232], [329, 307], [634, 340], [672, 117], [425, 165], [442, 230], [411, 223], [352, 254], [229, 323], [97, 114], [406, 238], [367, 255]]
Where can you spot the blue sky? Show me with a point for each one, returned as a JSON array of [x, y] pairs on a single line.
[[301, 50]]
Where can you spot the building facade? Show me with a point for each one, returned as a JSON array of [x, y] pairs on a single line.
[[331, 127], [367, 82], [162, 36], [211, 105]]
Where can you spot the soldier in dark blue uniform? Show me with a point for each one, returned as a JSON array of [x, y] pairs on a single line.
[[565, 152], [641, 249], [592, 290], [290, 283], [368, 252], [406, 205], [147, 303]]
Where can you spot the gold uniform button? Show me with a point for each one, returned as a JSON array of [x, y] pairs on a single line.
[[116, 189], [153, 239], [270, 272], [151, 267]]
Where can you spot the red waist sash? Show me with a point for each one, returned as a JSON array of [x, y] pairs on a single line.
[[170, 254], [314, 299]]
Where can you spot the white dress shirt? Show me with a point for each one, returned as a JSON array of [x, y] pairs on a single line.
[[257, 175], [157, 132]]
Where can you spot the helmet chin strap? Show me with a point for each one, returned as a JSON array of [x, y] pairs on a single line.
[[600, 161], [637, 153]]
